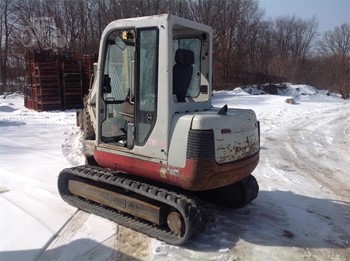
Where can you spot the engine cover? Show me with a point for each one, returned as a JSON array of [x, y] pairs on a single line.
[[236, 134]]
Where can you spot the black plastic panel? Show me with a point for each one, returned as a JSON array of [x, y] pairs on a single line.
[[200, 144]]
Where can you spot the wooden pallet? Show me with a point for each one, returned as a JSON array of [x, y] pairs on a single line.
[[57, 80]]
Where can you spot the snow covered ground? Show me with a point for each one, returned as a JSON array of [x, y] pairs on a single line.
[[302, 211]]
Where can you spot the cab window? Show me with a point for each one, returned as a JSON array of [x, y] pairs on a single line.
[[193, 45]]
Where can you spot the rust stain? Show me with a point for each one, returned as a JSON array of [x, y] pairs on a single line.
[[230, 152]]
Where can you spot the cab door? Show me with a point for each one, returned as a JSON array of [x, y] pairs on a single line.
[[118, 87], [147, 84], [129, 87]]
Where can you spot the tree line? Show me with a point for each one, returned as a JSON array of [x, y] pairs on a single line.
[[248, 49]]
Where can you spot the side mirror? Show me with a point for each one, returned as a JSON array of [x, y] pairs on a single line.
[[106, 84]]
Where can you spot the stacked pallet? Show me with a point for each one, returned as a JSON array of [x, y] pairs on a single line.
[[28, 96], [72, 84], [46, 89], [43, 90], [56, 80]]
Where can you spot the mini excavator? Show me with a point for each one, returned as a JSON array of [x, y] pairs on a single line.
[[155, 145]]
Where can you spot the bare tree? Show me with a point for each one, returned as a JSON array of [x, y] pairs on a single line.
[[246, 48], [6, 27], [263, 49], [337, 41], [293, 41], [335, 47], [235, 25], [179, 7]]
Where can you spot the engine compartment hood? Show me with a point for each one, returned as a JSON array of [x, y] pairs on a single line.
[[236, 134]]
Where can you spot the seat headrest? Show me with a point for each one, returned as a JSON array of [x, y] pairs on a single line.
[[184, 56]]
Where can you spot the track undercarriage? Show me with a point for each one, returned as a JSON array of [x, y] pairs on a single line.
[[164, 212]]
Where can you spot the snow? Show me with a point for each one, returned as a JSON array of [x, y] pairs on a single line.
[[302, 211]]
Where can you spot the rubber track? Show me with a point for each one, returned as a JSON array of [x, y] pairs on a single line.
[[251, 189], [191, 211]]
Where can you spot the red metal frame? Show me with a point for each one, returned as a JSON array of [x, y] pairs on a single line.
[[201, 174]]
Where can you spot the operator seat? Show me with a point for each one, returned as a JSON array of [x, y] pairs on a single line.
[[182, 73]]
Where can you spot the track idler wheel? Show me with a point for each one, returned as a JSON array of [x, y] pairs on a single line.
[[176, 223]]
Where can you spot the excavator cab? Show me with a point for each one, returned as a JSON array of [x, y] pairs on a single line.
[[154, 104], [145, 70], [157, 136]]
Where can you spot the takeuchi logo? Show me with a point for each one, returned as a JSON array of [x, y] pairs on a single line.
[[44, 32]]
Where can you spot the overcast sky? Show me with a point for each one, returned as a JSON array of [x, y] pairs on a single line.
[[329, 13]]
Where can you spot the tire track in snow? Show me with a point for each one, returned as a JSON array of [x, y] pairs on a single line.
[[63, 236], [122, 244], [20, 208], [25, 146], [302, 149], [325, 158], [88, 237], [46, 118], [312, 154]]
